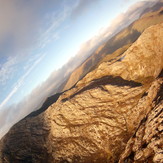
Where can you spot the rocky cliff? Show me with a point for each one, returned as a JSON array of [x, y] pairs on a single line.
[[118, 103]]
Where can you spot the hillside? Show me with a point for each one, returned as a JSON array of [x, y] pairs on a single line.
[[120, 41], [106, 110]]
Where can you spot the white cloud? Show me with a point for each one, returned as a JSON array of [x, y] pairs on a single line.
[[52, 32], [126, 18], [7, 69], [21, 22], [81, 7], [20, 82], [19, 31]]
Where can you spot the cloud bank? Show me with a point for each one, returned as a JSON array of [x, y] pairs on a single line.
[[23, 30]]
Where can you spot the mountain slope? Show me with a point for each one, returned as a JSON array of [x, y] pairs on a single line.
[[121, 40], [93, 121]]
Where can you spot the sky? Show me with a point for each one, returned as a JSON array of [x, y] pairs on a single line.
[[42, 42]]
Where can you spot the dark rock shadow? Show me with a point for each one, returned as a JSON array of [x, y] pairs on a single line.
[[26, 140]]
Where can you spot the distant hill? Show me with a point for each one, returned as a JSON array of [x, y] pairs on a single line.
[[49, 101], [111, 51], [122, 40]]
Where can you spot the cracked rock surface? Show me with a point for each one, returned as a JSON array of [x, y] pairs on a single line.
[[114, 105], [147, 142]]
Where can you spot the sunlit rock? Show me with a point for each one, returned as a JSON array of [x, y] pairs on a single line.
[[93, 121]]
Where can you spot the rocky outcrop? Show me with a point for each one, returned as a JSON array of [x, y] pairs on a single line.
[[147, 142], [25, 142], [93, 121]]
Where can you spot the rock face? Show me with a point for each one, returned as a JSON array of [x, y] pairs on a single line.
[[26, 142], [116, 104], [147, 142]]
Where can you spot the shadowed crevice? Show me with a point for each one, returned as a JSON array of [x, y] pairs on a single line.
[[107, 80]]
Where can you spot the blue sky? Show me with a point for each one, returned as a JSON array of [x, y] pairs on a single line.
[[38, 37], [57, 33]]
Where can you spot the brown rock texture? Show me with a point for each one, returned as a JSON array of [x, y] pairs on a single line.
[[94, 121], [146, 145], [25, 142]]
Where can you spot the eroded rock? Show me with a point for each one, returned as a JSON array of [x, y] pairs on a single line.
[[147, 142], [94, 121]]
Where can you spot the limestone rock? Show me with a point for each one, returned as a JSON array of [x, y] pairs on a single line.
[[147, 142], [94, 121]]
